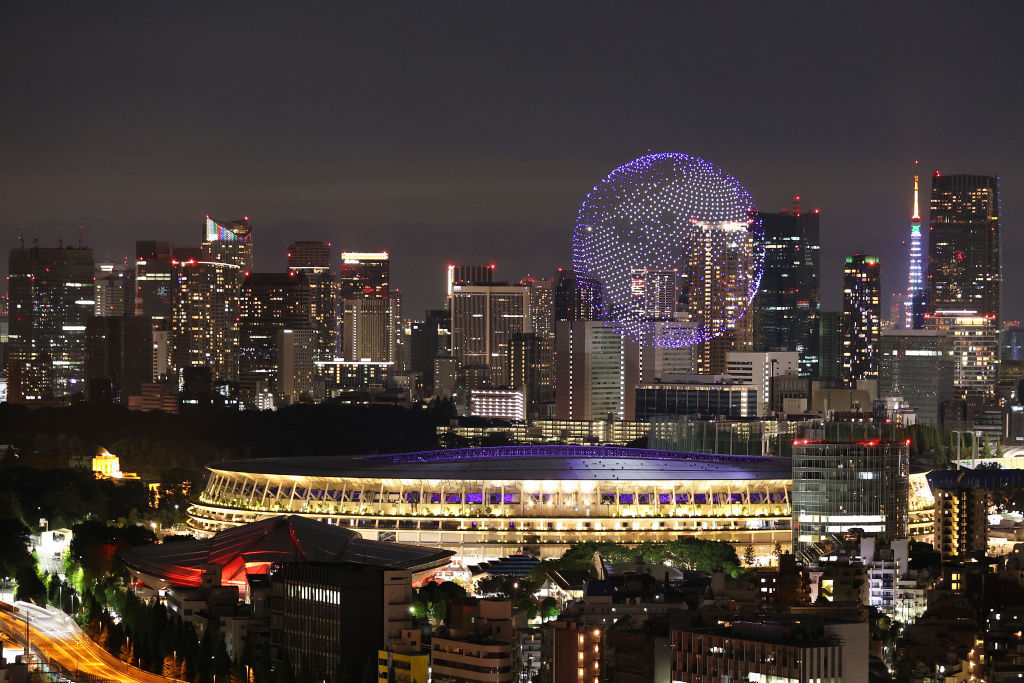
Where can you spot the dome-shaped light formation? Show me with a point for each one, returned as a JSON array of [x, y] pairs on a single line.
[[671, 223]]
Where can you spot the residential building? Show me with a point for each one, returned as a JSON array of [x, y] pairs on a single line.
[[477, 645], [975, 341], [573, 651], [961, 523]]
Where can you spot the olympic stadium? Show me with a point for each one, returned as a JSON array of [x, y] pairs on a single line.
[[486, 503]]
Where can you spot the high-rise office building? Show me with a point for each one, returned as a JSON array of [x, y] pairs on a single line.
[[577, 297], [654, 294], [542, 304], [531, 369], [915, 302], [296, 365], [204, 329], [113, 291], [975, 340], [313, 260], [118, 357], [917, 365], [830, 345], [268, 303], [362, 295], [596, 371], [228, 242], [469, 275], [842, 486], [964, 262], [788, 302], [154, 282], [51, 296], [862, 318], [484, 318]]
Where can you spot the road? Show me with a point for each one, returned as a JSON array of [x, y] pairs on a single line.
[[57, 637]]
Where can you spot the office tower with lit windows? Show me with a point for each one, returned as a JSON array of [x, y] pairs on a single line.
[[918, 366], [862, 318], [915, 301], [204, 329], [313, 260], [51, 294], [484, 318], [154, 282], [964, 261], [362, 304], [577, 297], [542, 304], [975, 342], [268, 303], [469, 275], [113, 291], [788, 302], [118, 357], [228, 242], [596, 371], [654, 294], [531, 369]]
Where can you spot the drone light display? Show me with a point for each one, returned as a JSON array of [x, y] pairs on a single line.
[[676, 245]]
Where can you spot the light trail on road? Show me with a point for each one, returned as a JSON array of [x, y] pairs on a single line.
[[59, 639]]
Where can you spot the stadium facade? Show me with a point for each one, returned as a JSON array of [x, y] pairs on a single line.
[[485, 503]]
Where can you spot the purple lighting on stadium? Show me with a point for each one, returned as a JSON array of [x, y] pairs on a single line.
[[675, 243]]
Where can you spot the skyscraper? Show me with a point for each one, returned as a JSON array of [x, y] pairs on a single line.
[[484, 318], [154, 275], [204, 329], [915, 302], [228, 242], [118, 357], [596, 371], [964, 264], [313, 260], [269, 303], [788, 302], [862, 318], [113, 290], [362, 305], [830, 345], [51, 297], [917, 365], [975, 340], [542, 304], [531, 369], [577, 297]]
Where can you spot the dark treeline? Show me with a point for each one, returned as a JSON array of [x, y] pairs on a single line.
[[152, 442]]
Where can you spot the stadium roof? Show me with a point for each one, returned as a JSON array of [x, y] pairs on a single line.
[[253, 548], [524, 462]]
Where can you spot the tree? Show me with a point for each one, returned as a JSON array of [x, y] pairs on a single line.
[[777, 550], [170, 668], [748, 555], [549, 608]]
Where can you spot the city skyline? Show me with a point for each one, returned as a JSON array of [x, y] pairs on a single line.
[[476, 183]]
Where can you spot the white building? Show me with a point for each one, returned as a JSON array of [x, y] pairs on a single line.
[[757, 368], [503, 404]]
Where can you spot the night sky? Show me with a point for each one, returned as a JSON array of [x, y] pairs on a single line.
[[470, 131]]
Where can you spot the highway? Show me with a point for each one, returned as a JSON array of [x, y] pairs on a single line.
[[61, 642]]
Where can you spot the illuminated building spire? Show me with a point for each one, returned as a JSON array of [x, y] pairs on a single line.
[[914, 304]]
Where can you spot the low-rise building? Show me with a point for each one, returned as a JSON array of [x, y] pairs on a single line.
[[478, 644]]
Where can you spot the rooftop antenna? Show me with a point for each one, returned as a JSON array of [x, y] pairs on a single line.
[[796, 205], [35, 236], [81, 237], [60, 237], [21, 236]]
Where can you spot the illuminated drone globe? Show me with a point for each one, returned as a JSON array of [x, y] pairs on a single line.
[[675, 245]]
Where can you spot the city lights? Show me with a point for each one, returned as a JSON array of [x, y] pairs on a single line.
[[671, 213]]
